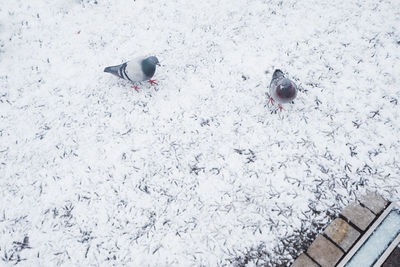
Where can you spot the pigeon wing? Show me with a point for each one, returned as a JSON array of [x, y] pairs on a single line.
[[133, 70]]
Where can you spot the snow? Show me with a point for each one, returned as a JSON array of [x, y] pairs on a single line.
[[378, 242], [198, 170]]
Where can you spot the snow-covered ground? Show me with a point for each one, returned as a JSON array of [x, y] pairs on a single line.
[[198, 170]]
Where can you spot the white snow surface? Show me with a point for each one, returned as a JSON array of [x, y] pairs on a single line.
[[197, 170]]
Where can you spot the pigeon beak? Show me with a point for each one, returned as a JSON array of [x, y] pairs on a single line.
[[158, 64]]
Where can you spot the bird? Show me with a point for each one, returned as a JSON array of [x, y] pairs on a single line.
[[281, 89], [136, 70]]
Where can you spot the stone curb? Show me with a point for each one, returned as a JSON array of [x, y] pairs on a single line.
[[343, 233]]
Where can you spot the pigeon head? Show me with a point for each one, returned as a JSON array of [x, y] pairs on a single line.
[[153, 60], [149, 66], [286, 89], [277, 74]]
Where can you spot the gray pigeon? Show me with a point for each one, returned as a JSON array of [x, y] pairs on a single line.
[[137, 70], [282, 90]]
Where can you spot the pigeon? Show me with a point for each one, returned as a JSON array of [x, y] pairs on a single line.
[[137, 70], [282, 90]]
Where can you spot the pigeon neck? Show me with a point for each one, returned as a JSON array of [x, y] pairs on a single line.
[[148, 68]]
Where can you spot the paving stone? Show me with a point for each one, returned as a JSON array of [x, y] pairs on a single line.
[[358, 215], [374, 202], [324, 252], [304, 261], [342, 233]]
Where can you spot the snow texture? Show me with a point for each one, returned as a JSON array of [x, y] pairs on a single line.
[[197, 170]]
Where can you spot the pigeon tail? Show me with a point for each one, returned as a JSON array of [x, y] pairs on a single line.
[[113, 70]]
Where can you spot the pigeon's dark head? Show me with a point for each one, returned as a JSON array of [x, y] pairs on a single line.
[[277, 74], [153, 60], [149, 66], [286, 89]]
